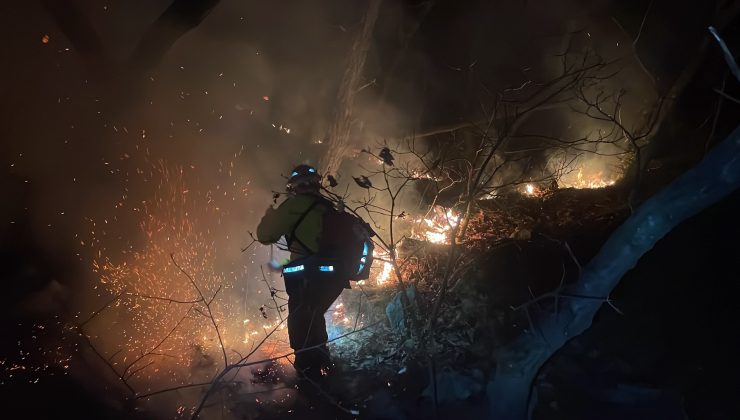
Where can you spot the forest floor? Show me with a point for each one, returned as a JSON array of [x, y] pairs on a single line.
[[517, 247], [655, 359], [636, 362]]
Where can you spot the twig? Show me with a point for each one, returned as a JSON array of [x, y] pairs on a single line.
[[81, 332], [642, 24], [169, 334], [359, 308], [726, 51], [176, 388], [104, 307], [208, 307], [139, 369], [717, 112], [170, 300], [726, 96], [249, 245], [273, 292]]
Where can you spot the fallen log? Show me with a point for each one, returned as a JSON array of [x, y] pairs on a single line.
[[518, 361]]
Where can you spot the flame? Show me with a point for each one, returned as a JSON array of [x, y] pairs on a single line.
[[423, 174], [595, 180], [385, 274], [592, 172], [436, 237], [533, 190], [381, 271], [436, 228], [579, 180]]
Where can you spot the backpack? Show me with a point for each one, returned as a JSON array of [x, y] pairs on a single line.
[[345, 245], [346, 240]]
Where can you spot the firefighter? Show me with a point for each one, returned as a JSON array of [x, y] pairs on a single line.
[[299, 220]]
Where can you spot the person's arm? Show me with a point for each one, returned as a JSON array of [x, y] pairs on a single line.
[[277, 222]]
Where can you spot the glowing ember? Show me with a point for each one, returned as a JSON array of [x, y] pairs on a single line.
[[148, 280], [532, 190], [592, 172], [385, 274], [159, 328], [437, 227], [596, 180], [436, 237], [381, 273], [423, 174]]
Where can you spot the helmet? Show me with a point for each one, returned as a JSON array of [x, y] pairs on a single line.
[[304, 177]]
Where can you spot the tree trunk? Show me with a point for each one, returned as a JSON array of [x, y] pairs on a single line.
[[342, 127], [518, 362]]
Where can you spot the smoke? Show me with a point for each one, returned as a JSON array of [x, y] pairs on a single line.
[[120, 170], [111, 174]]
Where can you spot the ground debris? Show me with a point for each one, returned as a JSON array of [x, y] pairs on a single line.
[[515, 249]]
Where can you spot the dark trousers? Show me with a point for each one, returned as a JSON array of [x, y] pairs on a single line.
[[309, 298]]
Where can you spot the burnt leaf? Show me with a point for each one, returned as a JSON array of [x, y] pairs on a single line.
[[332, 181], [363, 182], [387, 157]]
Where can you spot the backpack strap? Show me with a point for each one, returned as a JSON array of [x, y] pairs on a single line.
[[293, 237]]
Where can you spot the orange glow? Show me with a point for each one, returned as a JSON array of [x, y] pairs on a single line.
[[159, 309], [437, 227], [383, 273], [595, 180]]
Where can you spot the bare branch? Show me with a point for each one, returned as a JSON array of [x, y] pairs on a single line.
[[208, 307], [104, 307], [731, 63]]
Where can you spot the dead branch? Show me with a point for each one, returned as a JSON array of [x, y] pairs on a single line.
[[173, 389], [107, 363], [153, 349], [102, 308], [207, 305], [273, 295], [249, 245], [729, 58], [169, 300]]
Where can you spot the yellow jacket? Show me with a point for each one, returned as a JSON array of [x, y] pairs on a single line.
[[279, 222]]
